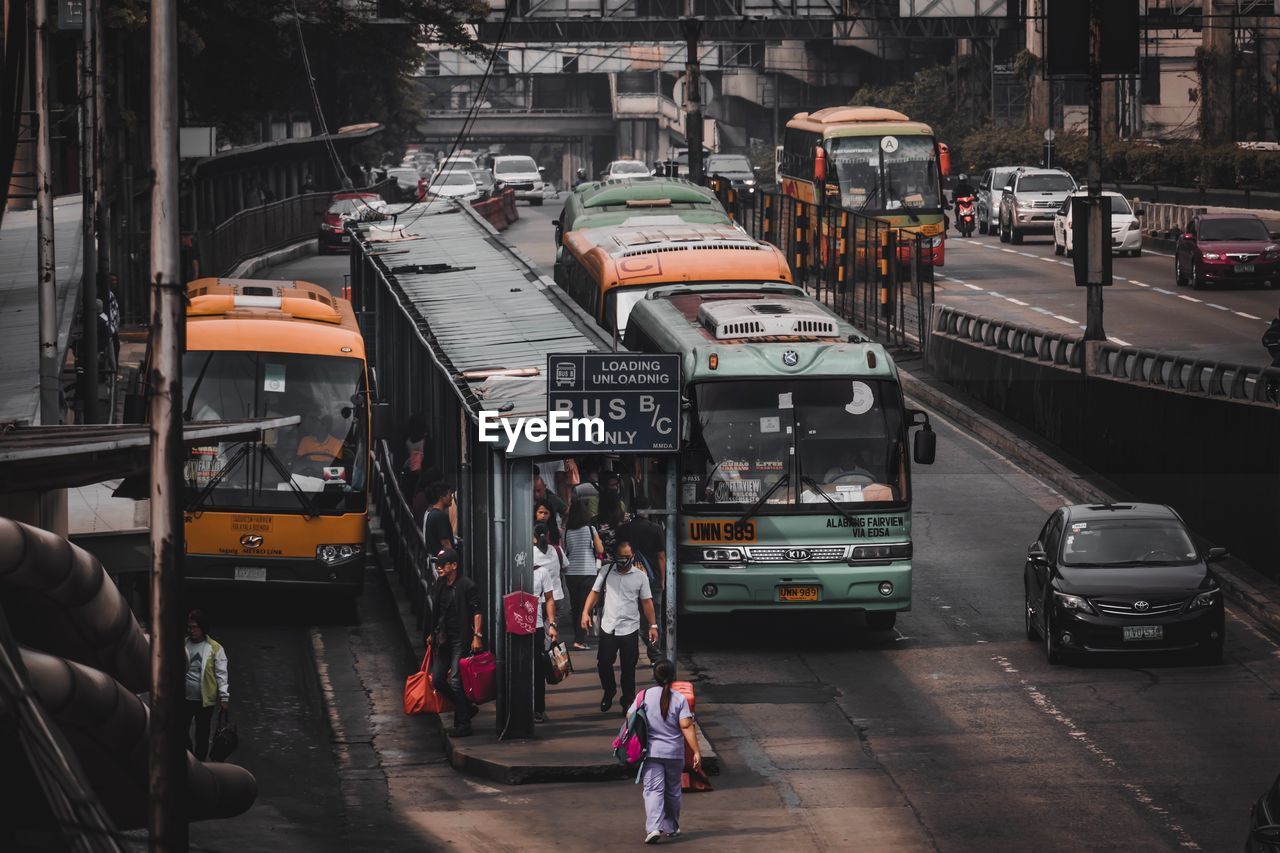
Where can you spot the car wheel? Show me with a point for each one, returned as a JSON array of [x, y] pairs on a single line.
[[1179, 280], [1029, 626], [984, 227], [1015, 236], [1058, 248], [1136, 253], [1067, 251], [1196, 281], [1004, 232], [1051, 651], [882, 620]]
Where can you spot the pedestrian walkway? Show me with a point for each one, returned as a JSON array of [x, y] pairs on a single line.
[[19, 302]]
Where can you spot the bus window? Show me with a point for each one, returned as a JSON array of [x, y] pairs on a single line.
[[911, 174], [857, 168]]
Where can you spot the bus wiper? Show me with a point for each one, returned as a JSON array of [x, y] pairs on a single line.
[[755, 507], [288, 478], [908, 208], [241, 452], [875, 191], [195, 389], [811, 483]]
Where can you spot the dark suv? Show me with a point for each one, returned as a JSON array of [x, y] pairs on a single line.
[[1226, 248], [1121, 578]]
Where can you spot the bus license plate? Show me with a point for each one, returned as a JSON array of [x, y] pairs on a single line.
[[250, 574], [715, 532], [797, 593], [1243, 268], [1144, 632]]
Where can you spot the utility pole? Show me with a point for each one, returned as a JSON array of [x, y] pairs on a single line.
[[89, 248], [50, 370], [1097, 241], [693, 94], [100, 223], [168, 778]]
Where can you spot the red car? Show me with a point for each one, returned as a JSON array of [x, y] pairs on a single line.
[[1226, 248], [345, 206]]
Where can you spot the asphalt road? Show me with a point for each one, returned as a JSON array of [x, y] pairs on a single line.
[[1027, 284], [951, 733]]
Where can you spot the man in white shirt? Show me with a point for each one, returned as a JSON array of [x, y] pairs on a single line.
[[626, 595]]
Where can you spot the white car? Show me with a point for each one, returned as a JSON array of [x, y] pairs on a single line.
[[456, 185], [1126, 234], [625, 169], [520, 173], [457, 163]]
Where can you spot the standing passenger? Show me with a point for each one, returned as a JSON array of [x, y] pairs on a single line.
[[670, 729], [454, 619], [583, 547]]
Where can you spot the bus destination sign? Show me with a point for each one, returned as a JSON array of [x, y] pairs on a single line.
[[636, 395]]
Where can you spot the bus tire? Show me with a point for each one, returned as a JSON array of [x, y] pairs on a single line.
[[881, 620]]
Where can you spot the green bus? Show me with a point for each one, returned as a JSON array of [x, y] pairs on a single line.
[[794, 482], [601, 204]]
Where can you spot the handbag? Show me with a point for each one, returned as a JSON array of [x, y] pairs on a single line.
[[420, 697], [561, 665], [225, 738], [479, 677]]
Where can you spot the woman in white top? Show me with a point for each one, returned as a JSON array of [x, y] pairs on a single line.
[[546, 585]]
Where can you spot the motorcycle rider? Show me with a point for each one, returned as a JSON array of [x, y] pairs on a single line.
[[579, 178], [963, 188]]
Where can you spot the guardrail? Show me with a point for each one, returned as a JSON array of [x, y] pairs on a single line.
[[1170, 371], [872, 273]]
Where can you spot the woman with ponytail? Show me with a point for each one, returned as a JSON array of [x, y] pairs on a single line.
[[670, 724]]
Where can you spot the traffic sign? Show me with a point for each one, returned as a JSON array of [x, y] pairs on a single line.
[[1048, 134], [637, 396]]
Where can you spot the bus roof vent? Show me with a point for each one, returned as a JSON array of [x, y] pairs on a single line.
[[251, 290], [738, 318]]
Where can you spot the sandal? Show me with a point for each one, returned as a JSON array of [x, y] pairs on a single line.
[[581, 647]]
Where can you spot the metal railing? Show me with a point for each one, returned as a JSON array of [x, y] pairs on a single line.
[[258, 230], [1169, 371], [876, 275], [402, 535]]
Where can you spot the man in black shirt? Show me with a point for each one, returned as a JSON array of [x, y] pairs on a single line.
[[436, 529], [649, 540], [453, 627]]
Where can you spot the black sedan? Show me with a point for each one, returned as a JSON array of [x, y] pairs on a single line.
[[1264, 829], [1122, 578]]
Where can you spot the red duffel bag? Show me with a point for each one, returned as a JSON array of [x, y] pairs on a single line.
[[480, 677], [420, 697]]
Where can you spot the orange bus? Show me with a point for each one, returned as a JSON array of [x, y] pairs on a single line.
[[290, 509], [607, 270]]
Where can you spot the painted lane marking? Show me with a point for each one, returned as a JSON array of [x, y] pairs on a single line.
[[971, 286], [1028, 255], [1246, 316], [1157, 254], [1119, 341], [1016, 301], [1077, 733], [1066, 319], [1219, 307], [1189, 298], [1067, 263], [998, 295], [1139, 283], [1165, 292], [1118, 278], [1010, 251], [1044, 311], [1049, 260]]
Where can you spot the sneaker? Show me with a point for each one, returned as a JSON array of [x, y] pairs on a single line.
[[539, 717], [459, 731], [675, 834], [652, 837]]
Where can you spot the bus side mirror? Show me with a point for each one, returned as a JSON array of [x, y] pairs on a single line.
[[379, 420], [819, 165], [944, 159], [925, 448]]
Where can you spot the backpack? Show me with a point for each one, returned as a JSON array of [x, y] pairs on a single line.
[[631, 746]]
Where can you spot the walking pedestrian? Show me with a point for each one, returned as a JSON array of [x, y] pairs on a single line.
[[437, 528], [546, 588], [670, 723], [206, 686], [626, 598], [454, 625], [649, 541], [583, 547]]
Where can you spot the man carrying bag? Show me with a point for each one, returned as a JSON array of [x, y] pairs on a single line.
[[626, 595], [453, 628]]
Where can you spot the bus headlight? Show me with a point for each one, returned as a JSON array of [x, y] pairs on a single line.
[[899, 551], [334, 555], [722, 555]]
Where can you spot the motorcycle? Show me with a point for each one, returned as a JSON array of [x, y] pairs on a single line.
[[966, 215]]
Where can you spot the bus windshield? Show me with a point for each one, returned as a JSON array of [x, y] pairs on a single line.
[[841, 440], [323, 457], [874, 180]]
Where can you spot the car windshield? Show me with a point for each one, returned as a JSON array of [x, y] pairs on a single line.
[[482, 178], [324, 456], [841, 439], [629, 167], [344, 206], [728, 163], [1046, 184], [455, 179], [1001, 177], [1114, 542], [1119, 205], [515, 166], [1233, 229]]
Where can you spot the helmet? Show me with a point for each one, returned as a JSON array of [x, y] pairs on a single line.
[[582, 173], [963, 176]]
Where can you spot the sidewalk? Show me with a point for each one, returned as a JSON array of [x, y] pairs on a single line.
[[19, 302]]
